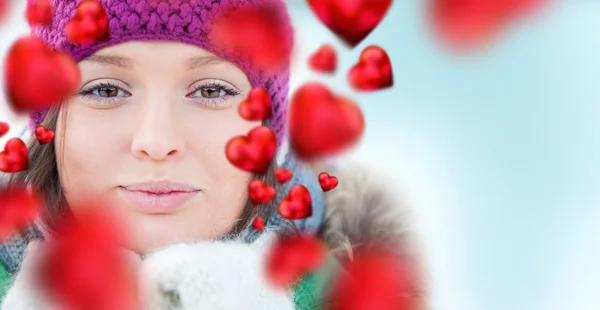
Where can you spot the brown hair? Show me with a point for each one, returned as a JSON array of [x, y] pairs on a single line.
[[43, 178]]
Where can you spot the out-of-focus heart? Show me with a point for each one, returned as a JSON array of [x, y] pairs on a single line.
[[43, 134], [327, 182], [322, 123], [297, 205], [14, 157], [37, 77], [351, 20], [20, 207], [260, 192], [283, 175], [258, 223], [4, 128], [257, 106], [254, 152], [291, 257], [89, 24], [324, 59], [373, 70], [39, 12]]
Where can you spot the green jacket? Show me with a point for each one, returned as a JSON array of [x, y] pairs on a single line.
[[308, 293]]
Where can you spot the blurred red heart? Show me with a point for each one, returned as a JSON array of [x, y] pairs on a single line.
[[297, 205], [254, 152], [257, 106], [89, 24], [37, 77], [321, 123], [324, 59], [373, 71], [258, 223], [44, 135], [292, 256], [20, 207], [472, 24], [14, 157], [283, 175], [39, 12], [327, 182], [3, 9], [375, 279], [4, 128], [260, 192], [255, 33], [352, 20], [85, 267]]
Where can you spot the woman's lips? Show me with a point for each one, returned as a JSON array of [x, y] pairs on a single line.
[[150, 202]]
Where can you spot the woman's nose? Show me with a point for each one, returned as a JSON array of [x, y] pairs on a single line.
[[156, 135]]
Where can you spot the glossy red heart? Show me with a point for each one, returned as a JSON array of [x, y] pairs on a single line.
[[324, 59], [89, 24], [351, 20], [255, 33], [14, 157], [20, 207], [260, 192], [85, 267], [4, 128], [254, 152], [467, 25], [257, 106], [375, 279], [283, 175], [322, 123], [373, 70], [258, 223], [291, 256], [39, 12], [327, 182], [297, 205], [37, 77], [43, 134]]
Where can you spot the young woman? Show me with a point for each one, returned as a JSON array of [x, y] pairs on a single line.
[[157, 103]]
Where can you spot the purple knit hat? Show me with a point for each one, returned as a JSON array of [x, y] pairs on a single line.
[[186, 21]]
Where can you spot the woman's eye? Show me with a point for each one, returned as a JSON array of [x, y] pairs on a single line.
[[109, 92], [211, 92]]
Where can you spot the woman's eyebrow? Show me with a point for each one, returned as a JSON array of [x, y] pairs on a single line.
[[200, 61], [110, 60]]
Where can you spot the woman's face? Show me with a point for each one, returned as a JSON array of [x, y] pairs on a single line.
[[147, 131]]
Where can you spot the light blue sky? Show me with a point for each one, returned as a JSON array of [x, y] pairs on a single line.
[[497, 154]]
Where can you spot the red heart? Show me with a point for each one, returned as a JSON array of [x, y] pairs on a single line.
[[40, 12], [373, 71], [255, 33], [324, 59], [257, 106], [375, 279], [283, 175], [14, 157], [85, 267], [89, 24], [260, 192], [322, 124], [327, 182], [352, 20], [44, 135], [297, 205], [19, 208], [254, 152], [4, 128], [258, 223], [471, 24], [37, 77], [292, 256], [3, 9]]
